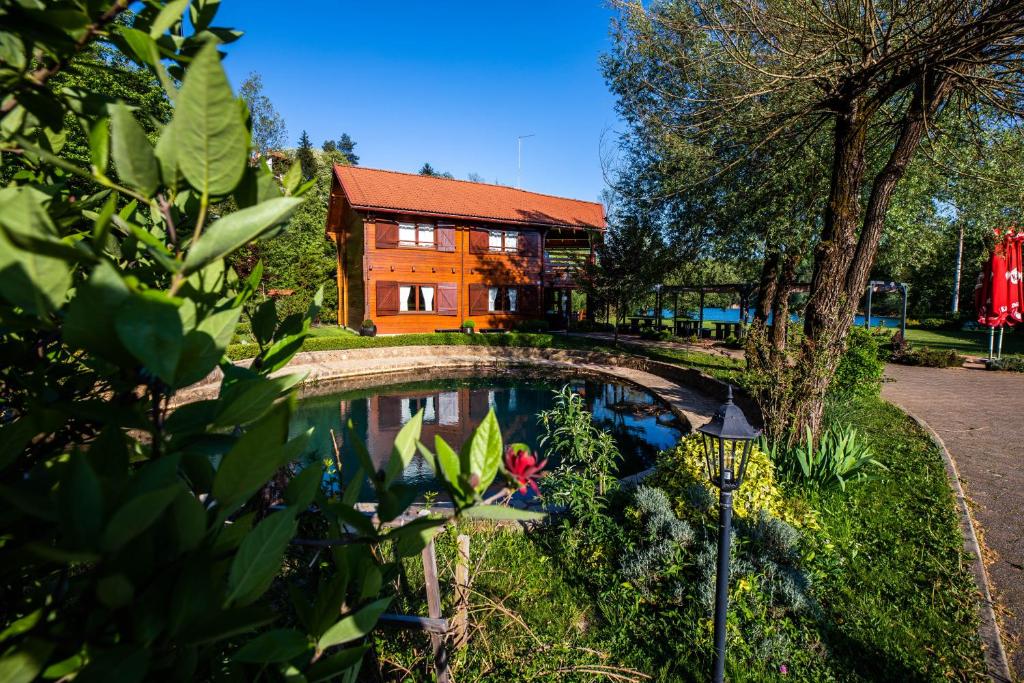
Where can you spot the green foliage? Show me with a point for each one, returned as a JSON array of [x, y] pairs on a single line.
[[859, 373], [588, 456], [268, 128], [841, 455], [344, 146], [468, 324], [1007, 363], [429, 170], [927, 357], [306, 157], [143, 539]]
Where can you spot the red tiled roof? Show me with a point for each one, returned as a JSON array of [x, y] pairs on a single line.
[[390, 191]]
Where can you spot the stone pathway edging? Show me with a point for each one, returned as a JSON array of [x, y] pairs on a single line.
[[995, 655]]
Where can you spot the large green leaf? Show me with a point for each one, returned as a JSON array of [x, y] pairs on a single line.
[[203, 347], [213, 143], [89, 323], [259, 557], [245, 400], [483, 456], [37, 282], [135, 516], [24, 663], [329, 668], [133, 154], [238, 229], [276, 645], [355, 625], [149, 327], [80, 501], [256, 456]]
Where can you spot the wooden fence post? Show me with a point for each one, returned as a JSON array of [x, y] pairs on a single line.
[[461, 625], [434, 611]]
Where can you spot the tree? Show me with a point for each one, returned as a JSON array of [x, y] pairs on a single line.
[[628, 263], [474, 177], [344, 146], [870, 79], [145, 540], [306, 157], [268, 129], [428, 170]]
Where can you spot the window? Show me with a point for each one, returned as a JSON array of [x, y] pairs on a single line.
[[502, 299], [416, 235], [503, 240], [411, 406], [415, 298]]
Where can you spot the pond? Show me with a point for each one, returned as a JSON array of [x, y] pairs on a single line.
[[640, 423]]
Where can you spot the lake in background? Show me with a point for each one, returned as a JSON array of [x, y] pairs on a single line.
[[732, 315]]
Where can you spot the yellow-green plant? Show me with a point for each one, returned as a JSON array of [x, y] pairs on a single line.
[[683, 467]]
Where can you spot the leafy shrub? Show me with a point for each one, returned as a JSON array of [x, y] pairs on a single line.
[[1007, 363], [860, 370], [593, 326], [468, 324], [588, 456], [532, 326], [683, 472], [950, 322], [653, 334], [659, 539], [841, 455], [144, 541], [927, 357], [367, 323]]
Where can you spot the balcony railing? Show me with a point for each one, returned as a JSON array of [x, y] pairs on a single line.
[[560, 266]]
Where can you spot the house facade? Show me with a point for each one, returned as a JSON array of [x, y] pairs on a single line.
[[420, 253]]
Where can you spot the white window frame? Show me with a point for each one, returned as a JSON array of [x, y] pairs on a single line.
[[424, 235], [509, 241]]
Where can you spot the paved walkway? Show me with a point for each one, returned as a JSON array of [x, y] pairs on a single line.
[[977, 415]]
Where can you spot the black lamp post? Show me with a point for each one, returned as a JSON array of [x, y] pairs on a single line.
[[727, 440]]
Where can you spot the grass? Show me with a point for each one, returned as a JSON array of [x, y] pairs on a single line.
[[897, 602], [971, 343]]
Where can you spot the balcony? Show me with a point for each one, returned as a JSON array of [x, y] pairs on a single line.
[[560, 266]]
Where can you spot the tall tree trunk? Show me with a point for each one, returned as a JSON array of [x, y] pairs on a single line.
[[958, 270], [843, 258]]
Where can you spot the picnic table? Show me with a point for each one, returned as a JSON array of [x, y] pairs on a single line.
[[725, 329], [638, 322], [685, 327]]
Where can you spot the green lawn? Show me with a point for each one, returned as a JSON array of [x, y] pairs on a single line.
[[967, 343]]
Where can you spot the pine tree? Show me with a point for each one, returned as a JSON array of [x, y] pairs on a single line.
[[305, 156], [345, 146]]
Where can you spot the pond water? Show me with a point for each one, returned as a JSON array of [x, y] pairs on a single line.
[[641, 425], [732, 315]]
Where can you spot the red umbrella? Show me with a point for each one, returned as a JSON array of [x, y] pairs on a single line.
[[1014, 279], [993, 305]]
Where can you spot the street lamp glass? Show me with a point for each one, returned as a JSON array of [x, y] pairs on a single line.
[[727, 440]]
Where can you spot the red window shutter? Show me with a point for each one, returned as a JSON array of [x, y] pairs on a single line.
[[477, 299], [387, 298], [445, 238], [529, 243], [390, 412], [387, 234], [478, 241], [447, 298], [529, 300], [478, 404]]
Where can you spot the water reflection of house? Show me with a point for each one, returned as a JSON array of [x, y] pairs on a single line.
[[451, 414]]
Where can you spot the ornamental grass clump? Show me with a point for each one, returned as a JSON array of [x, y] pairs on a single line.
[[840, 455]]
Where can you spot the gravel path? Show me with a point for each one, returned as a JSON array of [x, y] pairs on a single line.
[[977, 414]]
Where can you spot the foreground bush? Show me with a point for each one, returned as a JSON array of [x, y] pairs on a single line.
[[141, 542], [929, 358]]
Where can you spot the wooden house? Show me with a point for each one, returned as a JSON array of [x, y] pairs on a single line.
[[421, 253]]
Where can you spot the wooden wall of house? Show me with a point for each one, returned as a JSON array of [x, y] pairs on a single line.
[[429, 266]]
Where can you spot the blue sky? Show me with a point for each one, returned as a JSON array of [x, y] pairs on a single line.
[[452, 83]]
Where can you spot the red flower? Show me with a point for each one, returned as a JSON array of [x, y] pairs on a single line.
[[522, 466]]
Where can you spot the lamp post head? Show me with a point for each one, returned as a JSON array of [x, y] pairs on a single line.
[[727, 439]]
